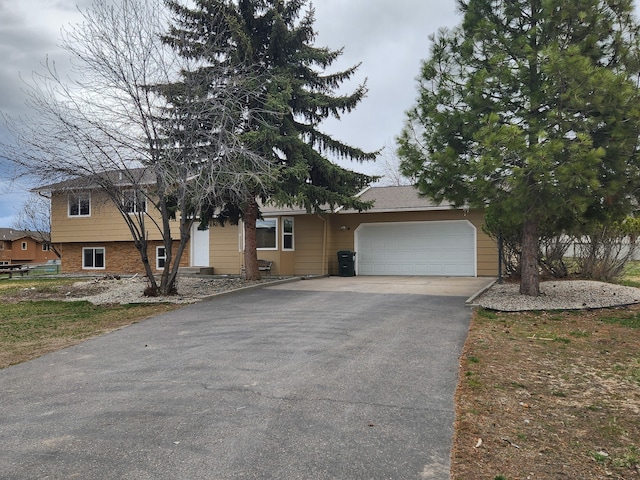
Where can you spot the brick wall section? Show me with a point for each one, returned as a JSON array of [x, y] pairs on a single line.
[[120, 257]]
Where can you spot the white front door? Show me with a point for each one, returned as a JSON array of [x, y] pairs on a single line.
[[199, 247]]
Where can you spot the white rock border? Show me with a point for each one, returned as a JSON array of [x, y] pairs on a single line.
[[558, 295]]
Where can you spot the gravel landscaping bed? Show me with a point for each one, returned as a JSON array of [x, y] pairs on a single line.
[[124, 290], [558, 295], [555, 295]]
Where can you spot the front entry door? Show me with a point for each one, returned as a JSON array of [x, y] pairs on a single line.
[[199, 247]]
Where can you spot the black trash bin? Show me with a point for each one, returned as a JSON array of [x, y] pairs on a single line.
[[347, 263]]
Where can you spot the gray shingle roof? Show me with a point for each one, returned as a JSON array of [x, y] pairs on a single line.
[[386, 199], [11, 234], [132, 176], [402, 198]]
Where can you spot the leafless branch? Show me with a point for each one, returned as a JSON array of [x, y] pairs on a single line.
[[110, 115]]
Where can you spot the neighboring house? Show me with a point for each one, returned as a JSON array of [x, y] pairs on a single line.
[[403, 234], [18, 246]]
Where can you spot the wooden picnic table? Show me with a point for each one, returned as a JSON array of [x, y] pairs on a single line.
[[14, 268]]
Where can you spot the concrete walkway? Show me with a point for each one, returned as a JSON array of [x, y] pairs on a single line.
[[308, 380]]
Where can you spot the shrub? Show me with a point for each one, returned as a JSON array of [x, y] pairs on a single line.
[[603, 253]]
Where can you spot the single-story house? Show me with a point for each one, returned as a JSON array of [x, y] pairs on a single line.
[[403, 234]]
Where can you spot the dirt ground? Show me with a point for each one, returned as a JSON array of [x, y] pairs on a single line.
[[59, 290], [549, 395]]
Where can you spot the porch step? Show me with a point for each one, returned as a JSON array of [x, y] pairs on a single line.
[[189, 270]]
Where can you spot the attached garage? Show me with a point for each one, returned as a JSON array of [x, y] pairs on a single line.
[[437, 248]]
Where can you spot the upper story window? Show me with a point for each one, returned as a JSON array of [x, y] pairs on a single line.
[[134, 201], [79, 205], [287, 234], [266, 234], [46, 247], [24, 245]]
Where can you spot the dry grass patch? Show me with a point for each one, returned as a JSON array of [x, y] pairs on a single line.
[[33, 322], [549, 395]]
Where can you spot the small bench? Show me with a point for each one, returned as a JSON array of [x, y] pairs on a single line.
[[265, 266]]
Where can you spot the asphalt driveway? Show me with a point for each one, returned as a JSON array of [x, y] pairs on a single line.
[[309, 380]]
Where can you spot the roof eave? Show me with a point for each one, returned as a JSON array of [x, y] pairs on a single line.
[[406, 209]]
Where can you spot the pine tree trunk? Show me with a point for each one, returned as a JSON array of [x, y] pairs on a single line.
[[530, 275], [250, 215]]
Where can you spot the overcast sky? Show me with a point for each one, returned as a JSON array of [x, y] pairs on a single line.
[[389, 38]]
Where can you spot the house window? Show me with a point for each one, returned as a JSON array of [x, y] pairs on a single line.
[[1, 245], [93, 258], [134, 201], [161, 257], [79, 205], [46, 247], [287, 233], [266, 237], [24, 245]]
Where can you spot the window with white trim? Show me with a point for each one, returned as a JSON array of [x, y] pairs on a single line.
[[93, 258], [287, 234], [24, 245], [266, 234], [46, 247], [79, 205], [161, 258], [134, 201]]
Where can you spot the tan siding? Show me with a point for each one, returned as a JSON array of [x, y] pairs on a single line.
[[307, 258], [487, 256], [226, 259], [309, 236], [278, 266], [104, 224]]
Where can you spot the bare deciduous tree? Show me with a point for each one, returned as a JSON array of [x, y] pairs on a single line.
[[389, 169], [34, 217], [112, 128]]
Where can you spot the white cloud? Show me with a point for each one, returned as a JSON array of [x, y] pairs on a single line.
[[389, 37], [12, 197]]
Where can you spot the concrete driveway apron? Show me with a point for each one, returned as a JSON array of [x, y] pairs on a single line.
[[318, 379]]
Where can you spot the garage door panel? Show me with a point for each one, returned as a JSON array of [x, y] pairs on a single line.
[[442, 248]]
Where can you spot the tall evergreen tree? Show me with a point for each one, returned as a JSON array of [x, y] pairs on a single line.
[[531, 109], [273, 39]]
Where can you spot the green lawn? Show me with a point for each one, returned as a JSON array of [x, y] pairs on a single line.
[[31, 327]]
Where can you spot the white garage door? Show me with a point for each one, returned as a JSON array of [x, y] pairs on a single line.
[[446, 248]]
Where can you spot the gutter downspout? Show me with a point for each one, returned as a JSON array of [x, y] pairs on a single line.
[[500, 246], [325, 268]]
